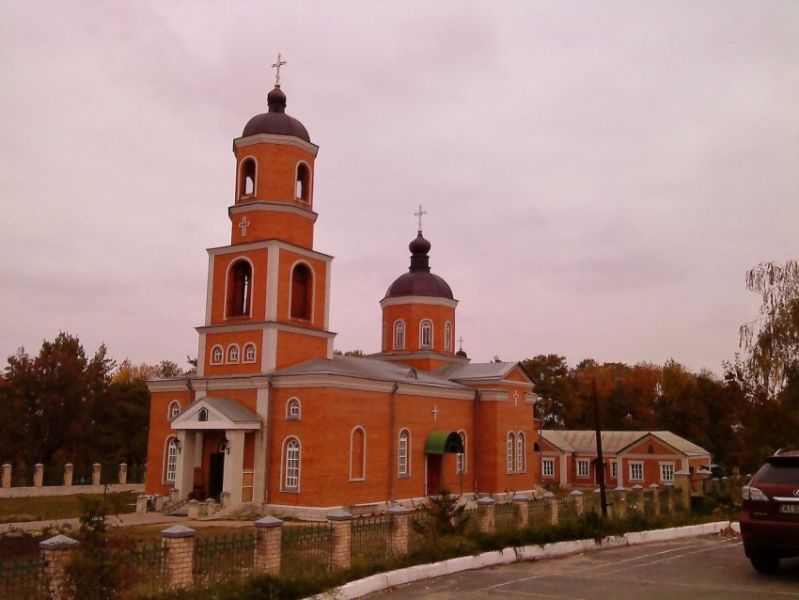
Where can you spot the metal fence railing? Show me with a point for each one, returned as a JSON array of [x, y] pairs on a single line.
[[223, 557], [306, 547], [540, 513], [145, 568], [24, 577], [370, 537], [505, 516]]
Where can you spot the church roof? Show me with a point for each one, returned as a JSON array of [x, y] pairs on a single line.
[[368, 368], [276, 121], [490, 370], [615, 441], [419, 281]]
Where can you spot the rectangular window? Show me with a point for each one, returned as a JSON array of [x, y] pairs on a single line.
[[548, 467], [636, 471], [583, 468], [667, 471], [614, 469]]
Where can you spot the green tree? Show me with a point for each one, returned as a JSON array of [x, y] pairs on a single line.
[[550, 376]]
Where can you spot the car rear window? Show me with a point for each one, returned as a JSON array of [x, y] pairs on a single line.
[[779, 471]]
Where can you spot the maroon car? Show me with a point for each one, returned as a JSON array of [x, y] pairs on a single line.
[[770, 512]]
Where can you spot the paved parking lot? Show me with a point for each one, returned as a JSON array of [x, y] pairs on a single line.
[[707, 568]]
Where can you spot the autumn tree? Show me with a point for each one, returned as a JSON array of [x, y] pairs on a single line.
[[549, 374]]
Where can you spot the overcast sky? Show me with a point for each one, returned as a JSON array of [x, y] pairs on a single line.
[[598, 175]]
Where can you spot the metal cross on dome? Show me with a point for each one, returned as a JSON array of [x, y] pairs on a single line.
[[276, 66], [419, 214]]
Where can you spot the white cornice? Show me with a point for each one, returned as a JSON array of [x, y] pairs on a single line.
[[370, 385], [180, 384], [266, 244], [272, 206], [422, 354], [432, 300], [271, 138], [260, 326], [493, 396]]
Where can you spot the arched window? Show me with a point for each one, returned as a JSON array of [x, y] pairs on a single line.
[[173, 410], [426, 334], [217, 355], [403, 454], [303, 187], [239, 289], [291, 465], [521, 463], [460, 458], [247, 178], [233, 354], [536, 447], [358, 454], [293, 409], [249, 353], [301, 292], [448, 336], [202, 415], [511, 443], [171, 466], [399, 335]]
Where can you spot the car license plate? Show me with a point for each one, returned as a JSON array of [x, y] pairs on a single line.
[[789, 508]]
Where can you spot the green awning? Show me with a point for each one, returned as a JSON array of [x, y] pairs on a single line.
[[440, 442]]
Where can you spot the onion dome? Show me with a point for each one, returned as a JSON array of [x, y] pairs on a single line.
[[419, 281], [276, 121]]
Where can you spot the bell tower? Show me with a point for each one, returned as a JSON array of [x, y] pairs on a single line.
[[268, 292]]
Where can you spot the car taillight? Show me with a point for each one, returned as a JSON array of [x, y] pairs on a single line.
[[752, 493]]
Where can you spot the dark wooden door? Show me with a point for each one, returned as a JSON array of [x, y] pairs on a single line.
[[216, 474], [433, 474]]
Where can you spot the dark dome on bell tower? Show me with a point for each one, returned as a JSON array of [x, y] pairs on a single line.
[[276, 121], [419, 281]]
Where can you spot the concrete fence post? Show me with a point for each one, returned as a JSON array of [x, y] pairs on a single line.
[[554, 504], [579, 502], [141, 504], [486, 514], [669, 497], [178, 541], [523, 510], [193, 509], [400, 531], [620, 502], [268, 550], [38, 475], [97, 470], [69, 474], [638, 490], [654, 489], [57, 553], [341, 521], [122, 477], [682, 481], [6, 481]]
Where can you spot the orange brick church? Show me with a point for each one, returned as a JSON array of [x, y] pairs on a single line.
[[273, 417]]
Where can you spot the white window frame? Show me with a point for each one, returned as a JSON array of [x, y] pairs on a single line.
[[614, 469], [582, 468], [250, 353], [510, 452], [363, 453], [547, 467], [233, 354], [291, 465], [448, 337], [667, 468], [292, 404], [404, 453], [460, 458], [173, 410], [521, 456], [425, 334], [399, 335], [171, 460], [217, 350], [633, 466]]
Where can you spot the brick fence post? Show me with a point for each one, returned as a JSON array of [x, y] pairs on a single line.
[[38, 475], [669, 497], [97, 470], [638, 490], [57, 552], [69, 473], [122, 477], [268, 549], [682, 481], [579, 502], [654, 489], [6, 475], [523, 510], [554, 504], [341, 521], [399, 532], [178, 541], [620, 502], [486, 514]]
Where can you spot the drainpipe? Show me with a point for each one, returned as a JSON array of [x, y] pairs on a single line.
[[267, 437], [474, 439], [392, 440]]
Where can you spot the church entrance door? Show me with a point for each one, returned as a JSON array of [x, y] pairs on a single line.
[[216, 474], [433, 474]]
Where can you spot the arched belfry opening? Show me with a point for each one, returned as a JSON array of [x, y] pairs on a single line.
[[302, 188], [239, 288], [247, 178], [301, 292]]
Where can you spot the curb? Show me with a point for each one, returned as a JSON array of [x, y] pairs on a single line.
[[382, 581]]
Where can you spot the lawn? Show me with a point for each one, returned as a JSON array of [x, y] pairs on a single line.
[[49, 508]]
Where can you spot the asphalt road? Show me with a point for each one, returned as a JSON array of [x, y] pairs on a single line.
[[707, 568]]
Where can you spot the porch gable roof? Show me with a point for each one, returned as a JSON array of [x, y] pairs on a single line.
[[222, 413]]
